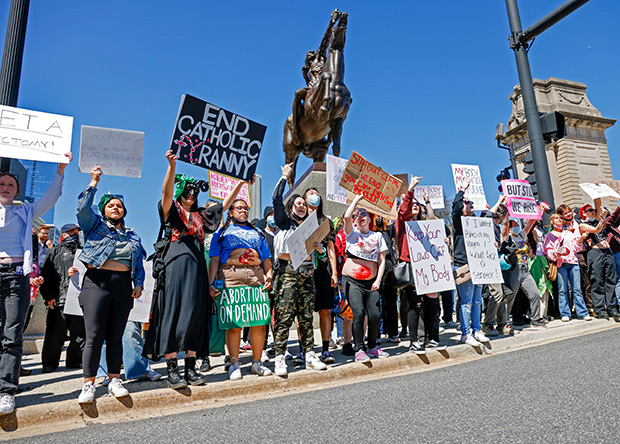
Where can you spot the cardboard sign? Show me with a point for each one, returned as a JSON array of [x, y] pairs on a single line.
[[434, 192], [482, 254], [520, 199], [239, 307], [298, 249], [34, 135], [377, 186], [220, 186], [117, 152], [141, 306], [430, 258], [318, 235], [464, 174], [599, 191], [334, 167], [211, 137], [391, 215]]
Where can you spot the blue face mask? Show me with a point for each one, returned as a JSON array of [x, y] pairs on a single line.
[[591, 219], [271, 221], [314, 200]]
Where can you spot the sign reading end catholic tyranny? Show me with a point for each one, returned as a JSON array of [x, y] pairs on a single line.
[[246, 306], [211, 137]]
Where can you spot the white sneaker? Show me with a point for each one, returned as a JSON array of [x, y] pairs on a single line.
[[7, 404], [115, 388], [469, 340], [260, 369], [281, 369], [480, 337], [234, 372], [587, 318], [87, 394], [565, 319], [264, 357], [313, 361]]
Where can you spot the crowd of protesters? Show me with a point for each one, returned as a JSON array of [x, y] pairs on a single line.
[[568, 270]]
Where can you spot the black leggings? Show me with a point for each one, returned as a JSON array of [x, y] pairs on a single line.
[[106, 302], [363, 301], [428, 308]]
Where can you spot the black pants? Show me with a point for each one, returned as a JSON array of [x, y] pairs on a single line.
[[390, 310], [364, 302], [447, 304], [603, 278], [56, 327], [425, 307], [106, 302]]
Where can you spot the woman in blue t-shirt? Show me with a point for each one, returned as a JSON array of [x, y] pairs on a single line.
[[240, 256]]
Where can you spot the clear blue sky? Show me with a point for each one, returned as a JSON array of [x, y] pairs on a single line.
[[429, 79]]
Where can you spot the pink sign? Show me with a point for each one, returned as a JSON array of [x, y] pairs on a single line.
[[520, 200], [220, 186]]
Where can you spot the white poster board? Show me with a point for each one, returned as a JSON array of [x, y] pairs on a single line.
[[434, 192], [482, 254], [520, 199], [117, 152], [334, 167], [599, 191], [470, 174], [34, 135], [141, 307], [296, 242], [430, 258]]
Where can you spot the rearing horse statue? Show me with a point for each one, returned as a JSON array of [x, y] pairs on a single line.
[[320, 108]]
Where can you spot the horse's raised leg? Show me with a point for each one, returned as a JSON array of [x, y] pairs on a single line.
[[335, 135], [291, 151]]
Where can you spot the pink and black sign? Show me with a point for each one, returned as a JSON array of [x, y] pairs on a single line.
[[520, 199]]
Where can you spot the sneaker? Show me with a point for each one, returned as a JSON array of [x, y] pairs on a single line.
[[288, 356], [234, 372], [264, 357], [339, 341], [299, 359], [332, 344], [245, 347], [361, 356], [347, 349], [489, 331], [327, 357], [417, 348], [205, 365], [587, 318], [602, 315], [565, 319], [116, 389], [538, 323], [7, 404], [434, 345], [450, 324], [260, 369], [470, 340], [480, 337], [281, 369], [152, 376], [506, 330], [378, 353], [312, 361], [393, 339], [87, 394]]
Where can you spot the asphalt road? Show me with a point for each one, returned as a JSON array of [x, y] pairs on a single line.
[[563, 392]]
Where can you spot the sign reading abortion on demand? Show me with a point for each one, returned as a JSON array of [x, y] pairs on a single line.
[[33, 135], [481, 250], [211, 137], [220, 186], [470, 174], [239, 307], [520, 199], [117, 152]]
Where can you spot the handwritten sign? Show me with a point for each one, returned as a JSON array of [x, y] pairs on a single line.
[[372, 209], [141, 307], [318, 235], [211, 137], [481, 250], [434, 192], [34, 135], [430, 259], [334, 167], [246, 306], [377, 186], [599, 191], [520, 199], [613, 184], [220, 186], [296, 242], [464, 174], [117, 152]]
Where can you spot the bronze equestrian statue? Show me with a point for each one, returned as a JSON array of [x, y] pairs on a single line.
[[320, 108]]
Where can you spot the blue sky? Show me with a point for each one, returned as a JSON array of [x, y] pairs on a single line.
[[429, 79]]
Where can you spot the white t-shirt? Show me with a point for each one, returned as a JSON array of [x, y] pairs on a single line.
[[366, 246]]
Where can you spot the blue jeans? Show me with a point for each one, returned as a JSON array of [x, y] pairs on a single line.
[[617, 259], [134, 363], [471, 306], [565, 273]]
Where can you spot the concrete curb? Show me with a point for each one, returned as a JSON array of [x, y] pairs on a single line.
[[44, 418]]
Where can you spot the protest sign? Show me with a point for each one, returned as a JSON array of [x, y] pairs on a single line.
[[211, 137], [482, 255], [391, 215], [613, 184], [377, 186], [34, 135], [434, 192], [598, 191], [141, 306], [520, 199], [220, 186], [318, 235], [117, 152], [296, 242], [470, 174], [430, 258], [334, 167], [239, 307]]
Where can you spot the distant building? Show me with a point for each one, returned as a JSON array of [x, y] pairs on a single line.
[[40, 177]]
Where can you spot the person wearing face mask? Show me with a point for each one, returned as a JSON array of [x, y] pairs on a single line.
[[56, 272], [114, 277], [295, 295]]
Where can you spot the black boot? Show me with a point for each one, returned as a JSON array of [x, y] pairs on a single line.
[[205, 366], [174, 380], [191, 375]]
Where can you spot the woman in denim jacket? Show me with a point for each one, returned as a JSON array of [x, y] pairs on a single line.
[[114, 277]]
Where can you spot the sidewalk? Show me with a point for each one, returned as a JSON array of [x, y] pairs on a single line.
[[50, 400]]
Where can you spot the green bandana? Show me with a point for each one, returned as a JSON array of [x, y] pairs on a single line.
[[180, 180], [107, 198]]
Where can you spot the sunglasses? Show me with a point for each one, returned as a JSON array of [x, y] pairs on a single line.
[[590, 209], [241, 208], [468, 202]]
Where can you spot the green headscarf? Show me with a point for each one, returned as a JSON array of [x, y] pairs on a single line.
[[180, 180], [107, 198]]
